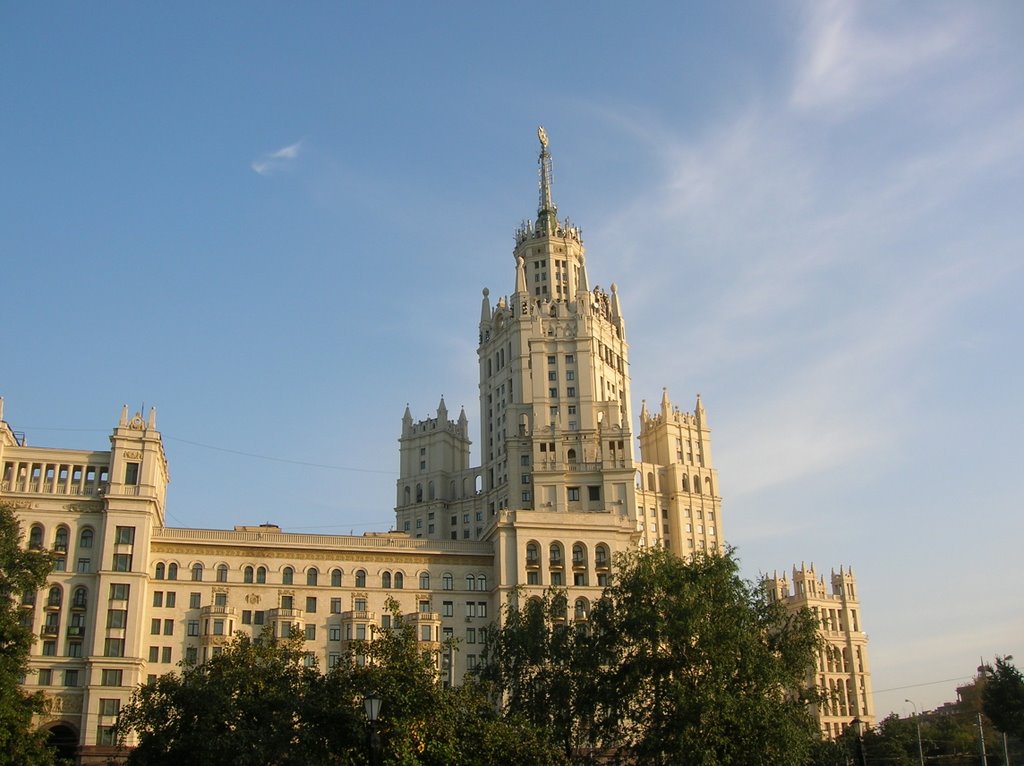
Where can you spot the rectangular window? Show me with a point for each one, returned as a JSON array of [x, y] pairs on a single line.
[[192, 627], [258, 617], [552, 375], [532, 578], [195, 600], [191, 655], [335, 606], [171, 599], [154, 627], [471, 609], [570, 391], [119, 591], [570, 375], [168, 627], [556, 579], [71, 677], [124, 535], [158, 598], [311, 632], [218, 627], [470, 635], [122, 562], [84, 565], [573, 493], [447, 608], [334, 633], [117, 618], [110, 707], [311, 604], [105, 736], [361, 632], [131, 474], [113, 647], [220, 599], [333, 660], [247, 617], [74, 649], [360, 604], [154, 653], [110, 677], [481, 608], [553, 393], [286, 602], [594, 493]]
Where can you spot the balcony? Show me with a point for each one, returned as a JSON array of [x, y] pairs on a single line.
[[50, 630], [221, 611], [418, 617], [76, 631], [280, 614], [361, 616]]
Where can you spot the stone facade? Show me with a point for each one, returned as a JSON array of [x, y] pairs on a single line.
[[557, 493]]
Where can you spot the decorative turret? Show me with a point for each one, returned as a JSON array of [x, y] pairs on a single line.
[[547, 211]]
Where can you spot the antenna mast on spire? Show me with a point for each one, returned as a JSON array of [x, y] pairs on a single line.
[[546, 212]]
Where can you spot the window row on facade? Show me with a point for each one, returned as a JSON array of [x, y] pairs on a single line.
[[336, 577]]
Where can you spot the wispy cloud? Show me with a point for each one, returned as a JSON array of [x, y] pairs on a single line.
[[277, 161], [846, 63]]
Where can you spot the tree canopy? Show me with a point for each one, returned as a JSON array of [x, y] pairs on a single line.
[[680, 660], [1003, 696], [22, 572], [264, 701]]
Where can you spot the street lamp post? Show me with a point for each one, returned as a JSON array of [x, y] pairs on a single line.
[[858, 728], [917, 721], [371, 705]]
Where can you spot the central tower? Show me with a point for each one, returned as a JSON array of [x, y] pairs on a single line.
[[554, 384]]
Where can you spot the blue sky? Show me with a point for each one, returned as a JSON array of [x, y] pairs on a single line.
[[274, 221]]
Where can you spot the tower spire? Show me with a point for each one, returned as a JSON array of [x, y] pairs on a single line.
[[547, 211]]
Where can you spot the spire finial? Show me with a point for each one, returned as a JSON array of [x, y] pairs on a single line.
[[547, 212]]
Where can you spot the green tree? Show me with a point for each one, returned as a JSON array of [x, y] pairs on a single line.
[[680, 661], [257, 703], [21, 572], [262, 701], [1003, 697]]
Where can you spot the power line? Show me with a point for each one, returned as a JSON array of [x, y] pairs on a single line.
[[926, 683], [271, 458]]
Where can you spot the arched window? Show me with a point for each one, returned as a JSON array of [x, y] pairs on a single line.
[[85, 538], [407, 495], [424, 580], [601, 554], [399, 581], [419, 493], [261, 575], [222, 573], [287, 576], [558, 606], [556, 553], [447, 581], [159, 574], [172, 571], [312, 575], [197, 572], [570, 456], [581, 609], [532, 553], [80, 599], [579, 555], [707, 485], [335, 578], [360, 578], [247, 574], [696, 485], [385, 580], [650, 480], [481, 582], [686, 483], [430, 490], [470, 582], [35, 536], [60, 539], [55, 597]]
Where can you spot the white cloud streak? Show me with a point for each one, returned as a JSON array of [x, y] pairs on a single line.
[[277, 161]]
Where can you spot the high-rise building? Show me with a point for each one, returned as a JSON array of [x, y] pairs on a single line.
[[557, 493]]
